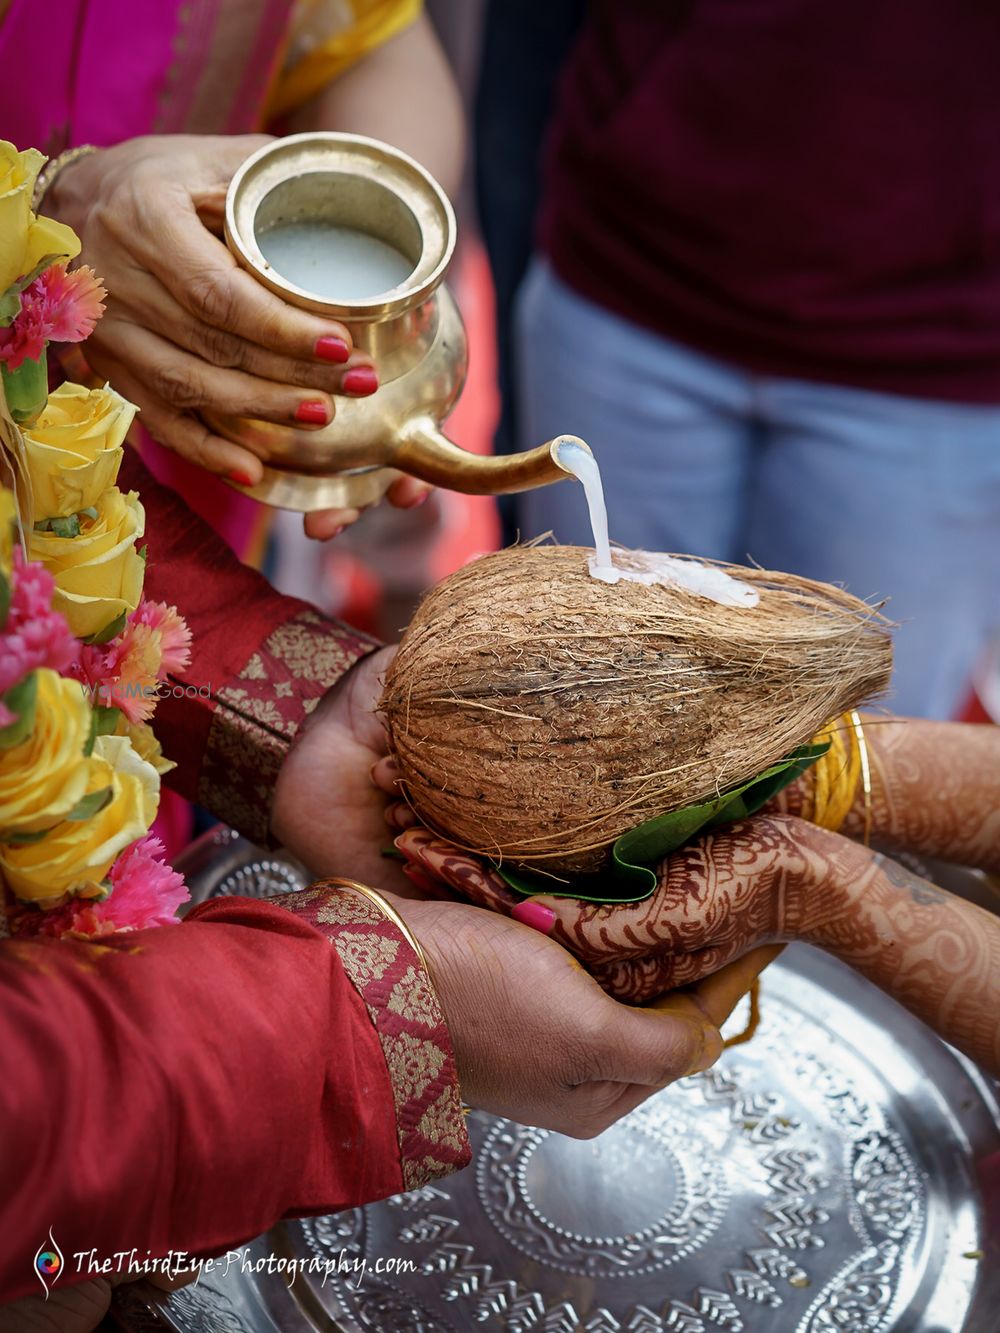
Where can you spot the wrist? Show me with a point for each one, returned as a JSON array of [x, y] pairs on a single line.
[[818, 868], [62, 191], [838, 869]]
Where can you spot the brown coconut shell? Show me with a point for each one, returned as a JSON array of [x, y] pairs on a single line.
[[536, 714]]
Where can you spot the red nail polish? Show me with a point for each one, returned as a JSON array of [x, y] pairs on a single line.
[[241, 478], [329, 348], [315, 413], [360, 381], [534, 915]]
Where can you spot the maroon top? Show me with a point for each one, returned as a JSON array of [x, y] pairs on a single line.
[[803, 188]]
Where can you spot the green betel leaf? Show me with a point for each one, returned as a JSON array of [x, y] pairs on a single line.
[[20, 699], [91, 804], [632, 876], [109, 632]]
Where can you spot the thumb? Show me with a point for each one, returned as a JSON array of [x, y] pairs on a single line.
[[654, 1048]]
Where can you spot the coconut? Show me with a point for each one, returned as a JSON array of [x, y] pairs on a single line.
[[537, 713]]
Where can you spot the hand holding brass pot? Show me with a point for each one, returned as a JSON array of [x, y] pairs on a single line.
[[294, 203]]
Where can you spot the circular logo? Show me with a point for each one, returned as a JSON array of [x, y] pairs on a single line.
[[48, 1263]]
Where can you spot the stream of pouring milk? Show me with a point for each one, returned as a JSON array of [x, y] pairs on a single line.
[[645, 566]]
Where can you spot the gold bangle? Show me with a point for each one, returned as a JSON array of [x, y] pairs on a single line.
[[866, 773], [387, 910], [52, 169]]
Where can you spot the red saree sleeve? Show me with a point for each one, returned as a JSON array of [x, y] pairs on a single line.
[[183, 1088], [260, 661]]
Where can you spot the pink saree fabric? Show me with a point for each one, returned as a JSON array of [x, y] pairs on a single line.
[[101, 71]]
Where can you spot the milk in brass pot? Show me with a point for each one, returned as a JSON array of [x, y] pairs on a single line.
[[353, 229]]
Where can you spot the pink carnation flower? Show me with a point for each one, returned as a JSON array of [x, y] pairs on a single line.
[[175, 637], [34, 634], [145, 891], [57, 307], [124, 673]]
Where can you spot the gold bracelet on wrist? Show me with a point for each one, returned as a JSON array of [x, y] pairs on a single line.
[[387, 910], [866, 772], [52, 169]]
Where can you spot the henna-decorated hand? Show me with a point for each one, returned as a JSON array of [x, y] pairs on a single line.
[[740, 887]]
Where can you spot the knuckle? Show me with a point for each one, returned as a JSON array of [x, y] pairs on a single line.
[[212, 297], [219, 346], [174, 383]]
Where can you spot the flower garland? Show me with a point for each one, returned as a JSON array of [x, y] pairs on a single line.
[[82, 653]]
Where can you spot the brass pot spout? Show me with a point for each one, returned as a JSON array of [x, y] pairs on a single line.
[[425, 452]]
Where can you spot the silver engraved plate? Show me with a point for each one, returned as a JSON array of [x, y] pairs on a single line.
[[820, 1179]]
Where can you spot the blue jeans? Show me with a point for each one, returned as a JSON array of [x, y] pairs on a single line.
[[893, 497]]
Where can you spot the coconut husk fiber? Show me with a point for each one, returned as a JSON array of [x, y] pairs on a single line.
[[536, 713]]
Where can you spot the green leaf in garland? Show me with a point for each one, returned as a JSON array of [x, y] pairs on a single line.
[[632, 876], [109, 632], [66, 527], [103, 722], [26, 389], [91, 804], [107, 719], [4, 598], [20, 700]]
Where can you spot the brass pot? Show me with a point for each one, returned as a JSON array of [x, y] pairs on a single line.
[[413, 331]]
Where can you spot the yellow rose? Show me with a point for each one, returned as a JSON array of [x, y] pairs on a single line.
[[98, 574], [44, 777], [146, 745], [24, 238], [74, 449], [78, 854]]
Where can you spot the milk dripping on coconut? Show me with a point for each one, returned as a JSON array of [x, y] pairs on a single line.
[[642, 566]]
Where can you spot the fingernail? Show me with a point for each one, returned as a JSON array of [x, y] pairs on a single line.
[[240, 478], [710, 1048], [329, 348], [421, 499], [360, 381], [534, 915], [314, 412]]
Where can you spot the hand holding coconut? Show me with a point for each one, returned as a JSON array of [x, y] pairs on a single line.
[[536, 1039], [935, 790]]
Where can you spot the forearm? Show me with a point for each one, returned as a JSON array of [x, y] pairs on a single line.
[[405, 93], [249, 1057], [934, 791], [934, 953], [260, 662], [183, 1054]]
